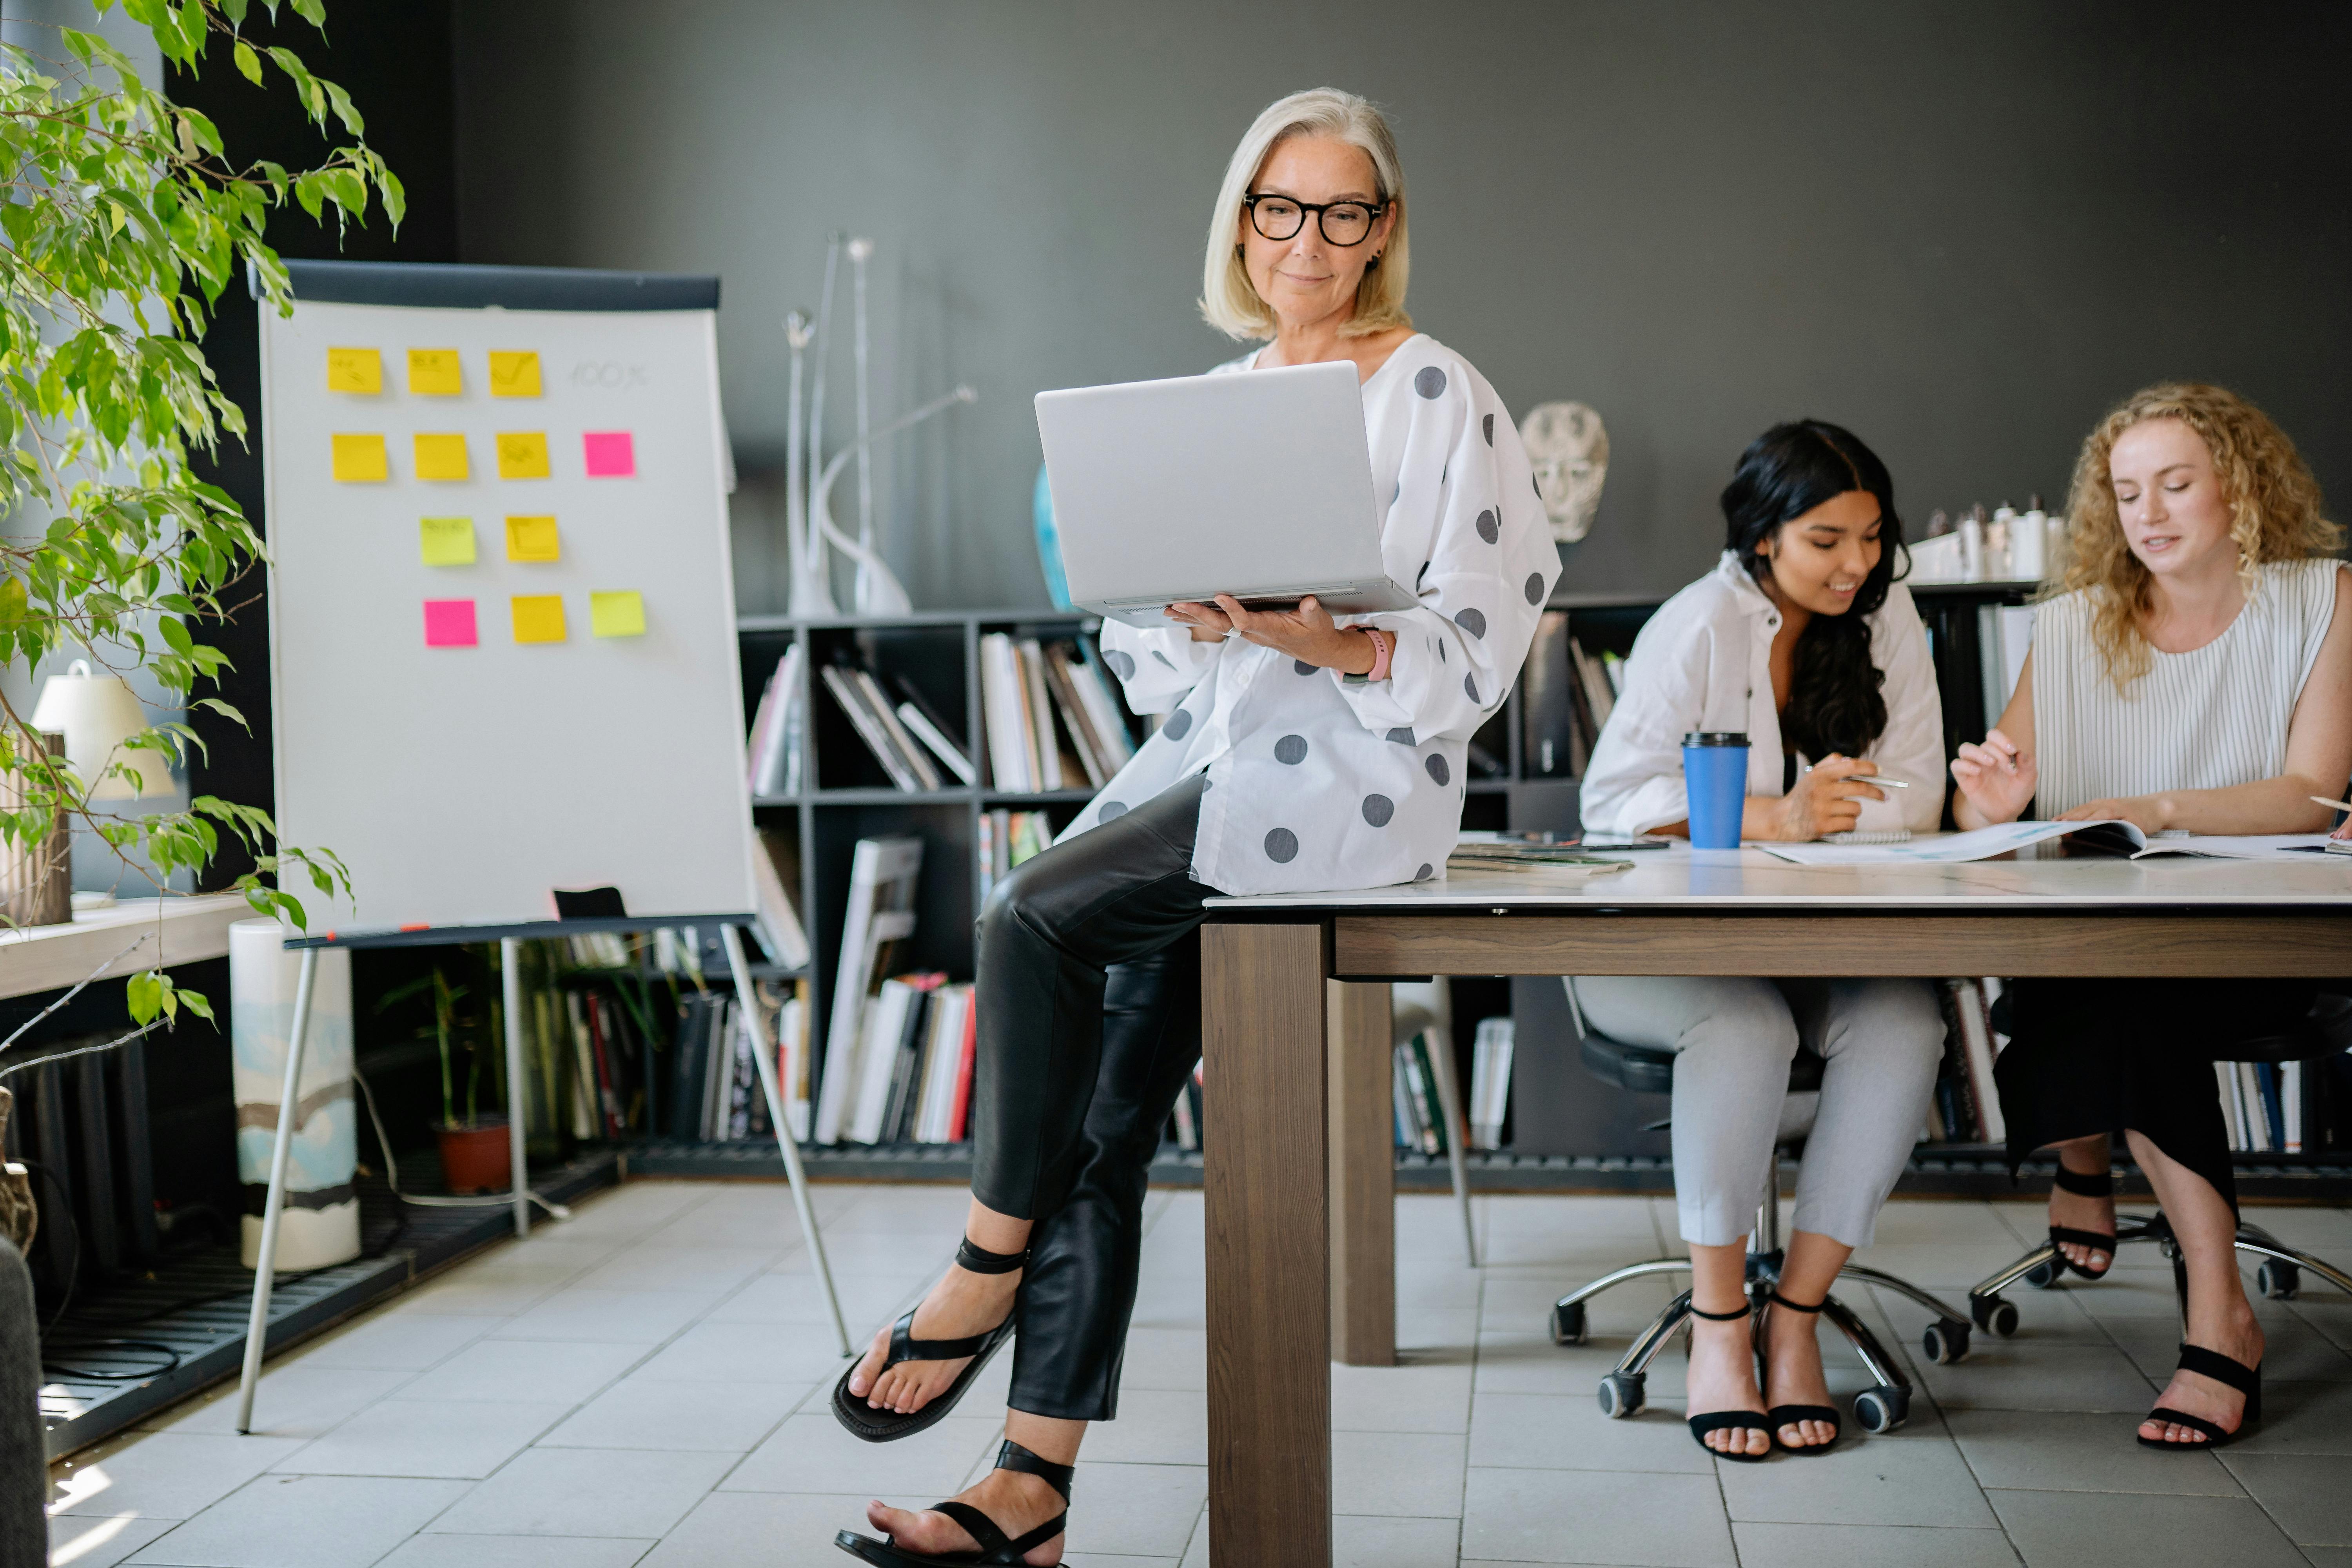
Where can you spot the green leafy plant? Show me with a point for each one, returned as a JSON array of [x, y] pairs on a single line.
[[448, 1032], [123, 220]]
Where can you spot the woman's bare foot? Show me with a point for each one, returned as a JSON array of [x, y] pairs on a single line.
[[2238, 1336], [2073, 1211], [1722, 1376], [961, 1305], [1017, 1501], [1794, 1375]]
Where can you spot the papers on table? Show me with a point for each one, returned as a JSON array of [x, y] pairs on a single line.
[[1503, 852], [1983, 843]]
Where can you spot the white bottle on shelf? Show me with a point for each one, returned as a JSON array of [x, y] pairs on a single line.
[[2029, 557], [2001, 536], [1973, 545]]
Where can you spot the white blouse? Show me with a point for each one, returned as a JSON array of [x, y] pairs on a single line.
[[1320, 783], [1705, 662]]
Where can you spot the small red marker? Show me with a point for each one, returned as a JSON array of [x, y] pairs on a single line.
[[420, 925]]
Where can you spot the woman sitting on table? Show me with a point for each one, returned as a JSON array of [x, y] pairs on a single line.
[[1296, 754], [2196, 673], [1801, 637]]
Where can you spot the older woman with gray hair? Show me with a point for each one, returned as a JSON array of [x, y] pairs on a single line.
[[1298, 753]]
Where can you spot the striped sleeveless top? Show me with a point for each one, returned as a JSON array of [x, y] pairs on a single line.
[[2207, 718]]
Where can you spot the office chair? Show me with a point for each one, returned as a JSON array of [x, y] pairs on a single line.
[[1881, 1408], [2325, 1031], [1425, 1007]]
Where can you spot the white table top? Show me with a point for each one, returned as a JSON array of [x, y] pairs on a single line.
[[1746, 878], [136, 935]]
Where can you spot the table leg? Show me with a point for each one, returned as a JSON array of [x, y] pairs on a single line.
[[1269, 1313], [1363, 1176], [273, 1206], [518, 1085]]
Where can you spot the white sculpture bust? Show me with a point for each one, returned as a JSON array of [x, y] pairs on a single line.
[[1569, 446]]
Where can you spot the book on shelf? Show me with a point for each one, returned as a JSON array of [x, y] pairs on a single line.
[[1008, 837], [877, 723], [1097, 692], [773, 751], [1599, 699], [776, 874], [887, 1058], [882, 876], [1420, 1112], [1037, 711], [1965, 1106], [943, 1073], [1185, 1121], [793, 1060], [1490, 1081], [928, 724], [1051, 714], [1002, 708]]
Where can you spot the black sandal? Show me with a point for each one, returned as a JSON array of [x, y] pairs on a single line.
[[1790, 1414], [888, 1425], [2102, 1186], [1727, 1420], [995, 1546], [2246, 1380]]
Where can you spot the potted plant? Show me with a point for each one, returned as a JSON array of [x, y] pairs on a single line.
[[473, 1150]]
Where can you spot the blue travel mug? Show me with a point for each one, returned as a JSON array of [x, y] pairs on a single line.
[[1714, 777]]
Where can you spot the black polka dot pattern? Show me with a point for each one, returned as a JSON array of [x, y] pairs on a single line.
[[1471, 621], [1112, 808], [1302, 667], [1441, 653], [1290, 749], [1538, 489], [1490, 528], [1490, 429], [1163, 658], [1401, 737], [1426, 873], [1470, 686], [1378, 809], [1122, 664], [1437, 768], [1178, 726], [1535, 588], [1282, 846], [1431, 381]]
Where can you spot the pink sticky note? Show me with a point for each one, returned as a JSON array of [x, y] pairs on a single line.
[[449, 623], [611, 455]]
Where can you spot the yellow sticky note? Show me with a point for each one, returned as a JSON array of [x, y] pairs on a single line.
[[354, 370], [435, 372], [617, 615], [447, 540], [522, 454], [532, 539], [537, 618], [359, 459], [514, 373], [440, 456]]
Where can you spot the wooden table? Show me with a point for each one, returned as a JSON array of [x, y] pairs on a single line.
[[1299, 1170]]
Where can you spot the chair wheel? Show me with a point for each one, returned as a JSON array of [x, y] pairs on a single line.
[[1568, 1324], [2278, 1281], [1882, 1409], [1622, 1394], [2042, 1276], [1945, 1342], [1993, 1315]]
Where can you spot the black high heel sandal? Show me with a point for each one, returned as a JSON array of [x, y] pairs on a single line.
[[888, 1425], [2102, 1186], [2246, 1380], [995, 1546], [1727, 1420], [1790, 1414]]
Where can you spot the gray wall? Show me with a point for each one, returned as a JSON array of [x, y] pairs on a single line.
[[1961, 229]]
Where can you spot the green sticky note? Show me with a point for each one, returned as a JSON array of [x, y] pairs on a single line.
[[617, 615], [447, 540]]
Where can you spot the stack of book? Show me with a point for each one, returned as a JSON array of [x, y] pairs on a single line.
[[1052, 713], [1566, 696], [1006, 839], [1490, 1081], [779, 726], [2267, 1107], [914, 741], [910, 1082], [1420, 1115]]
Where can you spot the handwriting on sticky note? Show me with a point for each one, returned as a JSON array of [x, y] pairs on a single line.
[[449, 623], [354, 370], [532, 539], [447, 540], [360, 461], [514, 373], [435, 372], [537, 618], [617, 614], [611, 454], [440, 456], [522, 454]]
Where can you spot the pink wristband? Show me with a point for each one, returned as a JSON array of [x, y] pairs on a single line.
[[1382, 646]]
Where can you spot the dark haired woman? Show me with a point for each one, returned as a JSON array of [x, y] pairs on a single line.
[[1801, 637]]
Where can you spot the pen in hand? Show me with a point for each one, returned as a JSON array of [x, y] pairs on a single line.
[[1885, 781]]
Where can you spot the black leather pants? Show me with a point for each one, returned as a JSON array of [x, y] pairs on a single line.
[[1089, 997]]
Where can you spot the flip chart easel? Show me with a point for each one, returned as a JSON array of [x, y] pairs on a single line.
[[440, 721]]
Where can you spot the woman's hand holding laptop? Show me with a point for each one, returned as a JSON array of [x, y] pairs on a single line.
[[1306, 634]]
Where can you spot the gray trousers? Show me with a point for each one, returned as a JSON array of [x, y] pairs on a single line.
[[1733, 1038]]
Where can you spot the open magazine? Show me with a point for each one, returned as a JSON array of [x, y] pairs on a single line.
[[1984, 843]]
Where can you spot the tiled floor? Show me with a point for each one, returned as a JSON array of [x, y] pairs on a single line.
[[646, 1386]]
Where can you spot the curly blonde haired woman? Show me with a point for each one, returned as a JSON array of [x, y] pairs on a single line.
[[2193, 671]]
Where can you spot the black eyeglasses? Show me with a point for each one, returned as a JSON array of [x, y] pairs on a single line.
[[1343, 222]]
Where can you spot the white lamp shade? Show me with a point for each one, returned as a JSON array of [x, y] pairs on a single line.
[[97, 714]]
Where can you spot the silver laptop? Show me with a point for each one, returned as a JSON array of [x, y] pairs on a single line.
[[1258, 485]]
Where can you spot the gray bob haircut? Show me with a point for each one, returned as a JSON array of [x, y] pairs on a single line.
[[1229, 301]]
